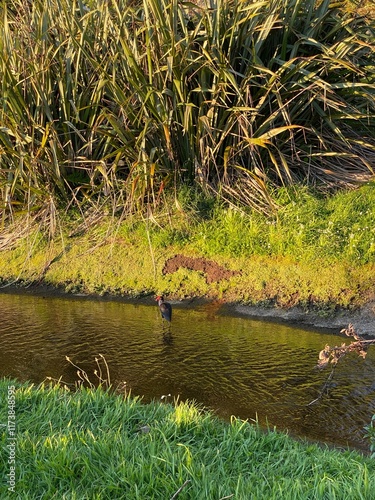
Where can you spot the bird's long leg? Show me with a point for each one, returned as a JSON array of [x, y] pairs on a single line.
[[167, 326]]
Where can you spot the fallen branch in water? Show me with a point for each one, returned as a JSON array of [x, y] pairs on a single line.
[[332, 355], [325, 387]]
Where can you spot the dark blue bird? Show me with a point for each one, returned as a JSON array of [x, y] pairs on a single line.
[[165, 308]]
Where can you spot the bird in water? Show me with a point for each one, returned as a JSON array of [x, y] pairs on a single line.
[[165, 308]]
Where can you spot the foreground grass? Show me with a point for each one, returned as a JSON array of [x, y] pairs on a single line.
[[91, 444], [316, 252]]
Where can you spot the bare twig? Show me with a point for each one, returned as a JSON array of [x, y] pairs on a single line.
[[325, 386], [180, 489], [332, 355]]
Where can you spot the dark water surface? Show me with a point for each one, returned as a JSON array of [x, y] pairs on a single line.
[[233, 365]]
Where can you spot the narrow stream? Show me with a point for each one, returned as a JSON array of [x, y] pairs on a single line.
[[232, 365]]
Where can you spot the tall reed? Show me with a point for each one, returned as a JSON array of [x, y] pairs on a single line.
[[117, 101]]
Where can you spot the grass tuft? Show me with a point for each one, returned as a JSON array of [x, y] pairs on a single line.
[[93, 444]]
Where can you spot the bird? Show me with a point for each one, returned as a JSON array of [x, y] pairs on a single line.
[[165, 308]]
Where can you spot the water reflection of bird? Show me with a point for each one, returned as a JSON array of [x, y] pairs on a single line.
[[165, 308]]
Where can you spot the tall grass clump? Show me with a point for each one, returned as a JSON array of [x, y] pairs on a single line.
[[115, 102]]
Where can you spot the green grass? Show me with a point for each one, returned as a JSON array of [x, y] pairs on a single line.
[[308, 226], [317, 252], [90, 444]]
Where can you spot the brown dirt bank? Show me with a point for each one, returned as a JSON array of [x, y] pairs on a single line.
[[362, 319], [212, 270]]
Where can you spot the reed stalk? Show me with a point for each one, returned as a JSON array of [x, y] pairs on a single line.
[[117, 102]]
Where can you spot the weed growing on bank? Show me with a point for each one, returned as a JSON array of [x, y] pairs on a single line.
[[93, 444]]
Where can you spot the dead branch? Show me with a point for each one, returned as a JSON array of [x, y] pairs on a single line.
[[325, 387], [332, 355]]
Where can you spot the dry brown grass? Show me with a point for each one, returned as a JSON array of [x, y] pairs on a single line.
[[363, 7]]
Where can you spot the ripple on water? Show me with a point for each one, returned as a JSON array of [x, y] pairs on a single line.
[[234, 365]]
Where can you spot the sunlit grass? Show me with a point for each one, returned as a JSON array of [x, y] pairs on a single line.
[[90, 444], [318, 251], [308, 226]]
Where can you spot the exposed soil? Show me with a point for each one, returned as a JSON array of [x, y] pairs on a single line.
[[212, 270], [362, 319]]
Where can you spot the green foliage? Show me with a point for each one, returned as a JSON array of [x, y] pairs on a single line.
[[114, 102], [91, 444], [308, 226]]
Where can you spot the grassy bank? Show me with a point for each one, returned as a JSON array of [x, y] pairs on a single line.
[[91, 444], [111, 112], [317, 252]]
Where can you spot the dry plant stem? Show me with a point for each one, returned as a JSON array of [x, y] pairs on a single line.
[[60, 382], [107, 381], [150, 246], [325, 387], [175, 495], [82, 375]]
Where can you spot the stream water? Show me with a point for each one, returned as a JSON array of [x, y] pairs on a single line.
[[233, 365]]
